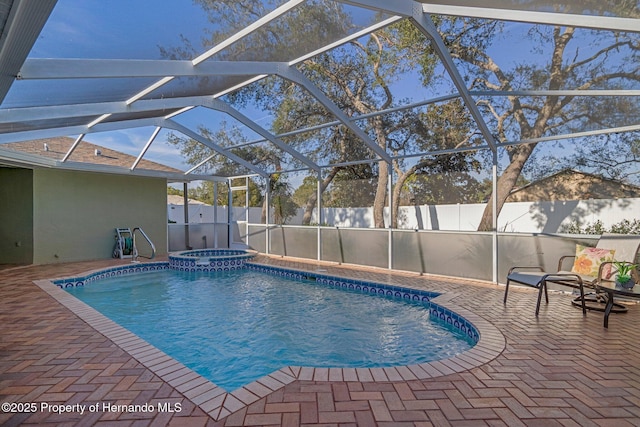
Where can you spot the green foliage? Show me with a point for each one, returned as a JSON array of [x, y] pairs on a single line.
[[281, 201], [171, 191], [308, 187], [354, 186], [623, 227], [623, 269]]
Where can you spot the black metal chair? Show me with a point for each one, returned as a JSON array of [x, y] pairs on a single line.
[[538, 279]]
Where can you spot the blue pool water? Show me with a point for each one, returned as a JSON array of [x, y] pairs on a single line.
[[235, 327]]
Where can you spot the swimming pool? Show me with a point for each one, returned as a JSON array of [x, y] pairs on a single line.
[[268, 321]]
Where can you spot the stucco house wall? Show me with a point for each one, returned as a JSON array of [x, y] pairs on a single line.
[[76, 213], [16, 216], [65, 216]]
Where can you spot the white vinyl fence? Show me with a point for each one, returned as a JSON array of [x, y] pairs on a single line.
[[521, 217]]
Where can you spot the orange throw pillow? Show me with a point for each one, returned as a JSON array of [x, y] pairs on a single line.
[[588, 261]]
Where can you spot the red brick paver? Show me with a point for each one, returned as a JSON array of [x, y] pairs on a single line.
[[558, 369]]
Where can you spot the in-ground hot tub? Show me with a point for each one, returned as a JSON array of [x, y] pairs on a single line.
[[210, 259]]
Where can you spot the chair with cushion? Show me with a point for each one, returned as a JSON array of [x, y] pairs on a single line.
[[595, 264], [590, 265]]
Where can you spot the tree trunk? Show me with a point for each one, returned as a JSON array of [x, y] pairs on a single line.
[[383, 175], [506, 183], [397, 190], [313, 199], [381, 194]]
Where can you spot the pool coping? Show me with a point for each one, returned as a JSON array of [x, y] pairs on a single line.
[[218, 403]]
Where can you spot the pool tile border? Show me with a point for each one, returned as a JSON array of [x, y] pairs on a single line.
[[217, 402], [104, 273], [450, 317]]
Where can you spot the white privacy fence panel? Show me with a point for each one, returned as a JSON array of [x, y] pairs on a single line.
[[520, 217]]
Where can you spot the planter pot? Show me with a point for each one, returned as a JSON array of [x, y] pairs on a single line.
[[626, 285]]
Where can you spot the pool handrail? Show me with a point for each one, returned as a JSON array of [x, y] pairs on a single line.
[[135, 248]]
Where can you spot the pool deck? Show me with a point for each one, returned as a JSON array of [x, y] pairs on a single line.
[[560, 369]]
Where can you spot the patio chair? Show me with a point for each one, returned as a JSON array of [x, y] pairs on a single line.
[[584, 273], [625, 247], [537, 278]]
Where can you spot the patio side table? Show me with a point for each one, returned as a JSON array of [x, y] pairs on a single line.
[[612, 289]]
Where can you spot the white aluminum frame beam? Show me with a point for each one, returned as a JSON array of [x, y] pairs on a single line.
[[414, 11], [73, 147], [424, 23], [48, 68], [21, 159], [221, 106], [155, 133], [21, 30], [79, 129], [402, 7], [271, 16], [619, 129], [13, 115], [598, 22], [294, 75], [362, 117], [170, 124], [97, 109]]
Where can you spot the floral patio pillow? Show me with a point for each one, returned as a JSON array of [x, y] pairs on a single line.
[[588, 261]]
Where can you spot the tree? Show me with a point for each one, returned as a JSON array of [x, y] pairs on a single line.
[[442, 126], [612, 156], [359, 77], [575, 59], [320, 22], [611, 62]]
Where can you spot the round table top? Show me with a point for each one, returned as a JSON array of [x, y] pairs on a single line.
[[617, 289]]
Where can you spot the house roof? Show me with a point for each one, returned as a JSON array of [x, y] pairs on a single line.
[[175, 199], [85, 152]]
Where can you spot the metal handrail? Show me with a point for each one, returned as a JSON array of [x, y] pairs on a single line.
[[135, 248]]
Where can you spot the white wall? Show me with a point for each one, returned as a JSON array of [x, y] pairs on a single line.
[[76, 213], [523, 217]]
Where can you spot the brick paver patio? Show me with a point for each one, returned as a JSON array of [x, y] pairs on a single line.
[[560, 369]]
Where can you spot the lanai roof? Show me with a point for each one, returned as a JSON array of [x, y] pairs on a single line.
[[96, 82]]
